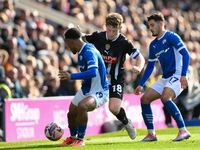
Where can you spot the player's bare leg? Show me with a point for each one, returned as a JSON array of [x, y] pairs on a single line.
[[84, 106], [72, 117]]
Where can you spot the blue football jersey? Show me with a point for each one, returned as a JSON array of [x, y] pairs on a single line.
[[89, 57], [167, 50]]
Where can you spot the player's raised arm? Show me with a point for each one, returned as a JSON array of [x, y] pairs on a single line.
[[82, 34]]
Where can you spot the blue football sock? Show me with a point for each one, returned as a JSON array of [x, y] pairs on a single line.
[[73, 132], [81, 131], [175, 113], [147, 114]]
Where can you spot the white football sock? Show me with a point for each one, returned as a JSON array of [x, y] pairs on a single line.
[[152, 132]]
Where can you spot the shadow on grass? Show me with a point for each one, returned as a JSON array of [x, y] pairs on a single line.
[[50, 146], [33, 147]]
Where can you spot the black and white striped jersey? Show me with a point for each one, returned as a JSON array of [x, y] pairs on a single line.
[[113, 53]]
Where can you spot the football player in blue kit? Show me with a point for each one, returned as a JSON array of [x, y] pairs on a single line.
[[174, 58], [94, 91]]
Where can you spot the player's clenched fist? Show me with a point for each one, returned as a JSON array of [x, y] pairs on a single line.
[[137, 90]]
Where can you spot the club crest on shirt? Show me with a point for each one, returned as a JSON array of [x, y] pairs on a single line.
[[81, 57], [164, 41], [107, 46]]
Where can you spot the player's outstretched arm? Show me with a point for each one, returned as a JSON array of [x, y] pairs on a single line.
[[82, 34], [88, 74], [140, 64]]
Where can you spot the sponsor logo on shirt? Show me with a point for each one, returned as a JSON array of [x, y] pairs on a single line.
[[109, 59], [162, 51]]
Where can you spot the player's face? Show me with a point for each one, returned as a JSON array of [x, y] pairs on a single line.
[[154, 27], [70, 44], [112, 32]]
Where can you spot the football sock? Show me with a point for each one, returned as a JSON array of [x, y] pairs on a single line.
[[183, 129], [81, 131], [147, 115], [73, 137], [122, 116], [73, 132], [152, 132], [175, 113]]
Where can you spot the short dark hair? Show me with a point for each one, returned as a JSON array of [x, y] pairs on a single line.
[[72, 33], [156, 16], [114, 19]]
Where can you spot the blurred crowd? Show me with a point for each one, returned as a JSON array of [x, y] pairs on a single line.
[[32, 51]]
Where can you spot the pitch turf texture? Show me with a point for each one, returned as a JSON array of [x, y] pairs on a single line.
[[116, 141]]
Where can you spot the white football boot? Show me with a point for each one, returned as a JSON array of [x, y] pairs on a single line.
[[130, 129]]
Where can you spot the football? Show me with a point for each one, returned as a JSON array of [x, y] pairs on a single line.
[[53, 131]]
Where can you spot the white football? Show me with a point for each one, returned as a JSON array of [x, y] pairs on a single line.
[[53, 131]]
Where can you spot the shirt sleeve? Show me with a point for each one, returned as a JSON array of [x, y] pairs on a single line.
[[150, 66], [186, 61], [90, 38], [148, 71], [130, 48], [92, 66], [88, 74], [177, 42], [91, 58], [135, 54]]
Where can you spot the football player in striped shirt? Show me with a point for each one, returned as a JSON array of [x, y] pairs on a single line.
[[114, 47]]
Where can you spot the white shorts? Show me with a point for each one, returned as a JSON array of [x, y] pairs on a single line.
[[100, 97], [172, 82]]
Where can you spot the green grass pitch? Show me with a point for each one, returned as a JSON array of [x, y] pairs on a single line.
[[116, 141]]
